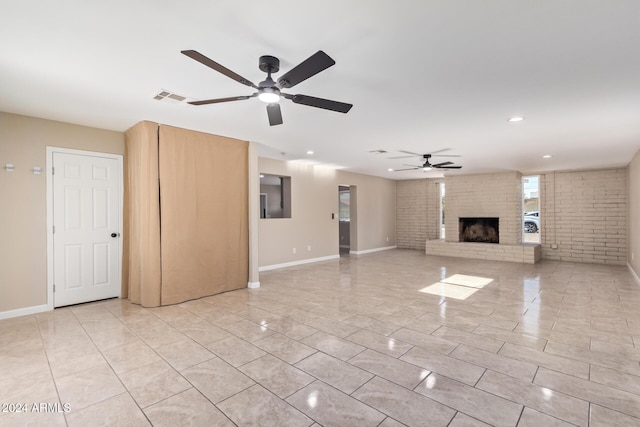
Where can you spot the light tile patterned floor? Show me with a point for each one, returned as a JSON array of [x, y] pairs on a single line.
[[354, 342]]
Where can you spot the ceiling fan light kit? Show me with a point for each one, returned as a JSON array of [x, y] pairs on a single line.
[[268, 90]]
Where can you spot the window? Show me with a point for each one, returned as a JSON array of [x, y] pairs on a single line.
[[275, 196], [531, 209], [441, 216]]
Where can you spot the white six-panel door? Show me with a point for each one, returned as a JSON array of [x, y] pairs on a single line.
[[86, 235]]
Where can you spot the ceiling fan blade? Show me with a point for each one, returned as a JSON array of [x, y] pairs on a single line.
[[274, 113], [413, 166], [219, 68], [437, 165], [446, 155], [215, 101], [448, 167], [309, 67], [409, 169], [327, 104], [440, 151], [406, 157]]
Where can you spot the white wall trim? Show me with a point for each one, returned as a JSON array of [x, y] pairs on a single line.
[[253, 285], [49, 176], [634, 274], [24, 311], [368, 251], [300, 262]]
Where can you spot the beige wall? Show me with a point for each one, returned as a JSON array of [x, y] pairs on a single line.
[[314, 198], [23, 238], [584, 213], [633, 180]]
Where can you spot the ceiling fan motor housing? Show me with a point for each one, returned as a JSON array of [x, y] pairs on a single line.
[[269, 64]]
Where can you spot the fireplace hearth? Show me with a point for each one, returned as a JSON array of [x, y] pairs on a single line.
[[479, 230]]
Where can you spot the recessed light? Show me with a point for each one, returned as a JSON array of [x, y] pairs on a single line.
[[389, 170], [310, 152], [547, 156], [261, 176], [515, 119]]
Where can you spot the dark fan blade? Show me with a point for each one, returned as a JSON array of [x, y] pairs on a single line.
[[219, 68], [327, 104], [215, 101], [413, 166], [448, 167], [437, 165], [406, 157], [274, 113], [433, 154], [410, 169], [309, 67], [440, 151]]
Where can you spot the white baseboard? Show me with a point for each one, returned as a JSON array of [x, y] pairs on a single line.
[[300, 262], [634, 274], [368, 251], [253, 285], [24, 311]]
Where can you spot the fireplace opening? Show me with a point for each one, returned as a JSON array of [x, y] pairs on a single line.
[[479, 230]]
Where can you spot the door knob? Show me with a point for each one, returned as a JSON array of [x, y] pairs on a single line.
[[115, 235]]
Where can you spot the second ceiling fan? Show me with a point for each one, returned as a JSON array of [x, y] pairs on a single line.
[[269, 91], [427, 166]]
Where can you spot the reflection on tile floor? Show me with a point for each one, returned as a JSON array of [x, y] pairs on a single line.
[[350, 342]]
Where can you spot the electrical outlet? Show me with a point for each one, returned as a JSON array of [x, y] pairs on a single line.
[[309, 248], [387, 238], [294, 250]]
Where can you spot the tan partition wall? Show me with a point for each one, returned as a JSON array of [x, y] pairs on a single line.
[[141, 279], [204, 206], [186, 215]]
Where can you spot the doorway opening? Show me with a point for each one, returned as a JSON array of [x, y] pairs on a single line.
[[531, 209], [263, 205], [344, 219]]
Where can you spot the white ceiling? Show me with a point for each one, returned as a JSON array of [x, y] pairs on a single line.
[[422, 75]]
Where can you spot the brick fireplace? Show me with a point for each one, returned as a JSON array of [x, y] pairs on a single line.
[[494, 202]]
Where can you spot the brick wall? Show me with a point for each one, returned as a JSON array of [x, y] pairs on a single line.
[[487, 195], [416, 212], [584, 213]]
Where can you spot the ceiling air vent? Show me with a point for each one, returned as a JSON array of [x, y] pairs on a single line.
[[169, 97]]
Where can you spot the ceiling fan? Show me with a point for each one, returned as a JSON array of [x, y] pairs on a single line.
[[427, 166], [269, 90], [432, 154]]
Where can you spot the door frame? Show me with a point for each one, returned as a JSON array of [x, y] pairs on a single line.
[[49, 178]]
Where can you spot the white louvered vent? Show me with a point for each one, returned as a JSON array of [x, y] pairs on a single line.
[[170, 97]]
